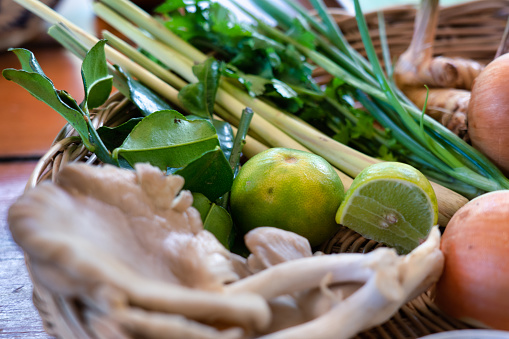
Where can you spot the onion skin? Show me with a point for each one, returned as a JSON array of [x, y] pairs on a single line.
[[488, 112], [474, 285]]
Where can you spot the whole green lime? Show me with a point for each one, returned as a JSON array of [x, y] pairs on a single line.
[[290, 189]]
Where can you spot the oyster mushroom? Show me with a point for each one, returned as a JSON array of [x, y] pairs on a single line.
[[388, 282], [136, 232], [270, 246], [389, 287]]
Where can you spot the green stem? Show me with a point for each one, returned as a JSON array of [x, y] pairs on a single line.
[[342, 44], [386, 54], [240, 138], [100, 149], [332, 30], [238, 144]]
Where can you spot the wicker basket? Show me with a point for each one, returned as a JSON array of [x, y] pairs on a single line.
[[470, 30]]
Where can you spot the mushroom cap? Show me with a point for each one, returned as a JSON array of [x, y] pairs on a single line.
[[135, 232]]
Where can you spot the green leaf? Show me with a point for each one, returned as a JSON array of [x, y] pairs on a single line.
[[225, 22], [97, 82], [210, 175], [283, 89], [167, 139], [199, 98], [254, 84], [169, 6], [33, 79], [145, 99], [301, 32], [215, 219], [113, 137], [225, 135]]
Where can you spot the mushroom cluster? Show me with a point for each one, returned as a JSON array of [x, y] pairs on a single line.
[[131, 251]]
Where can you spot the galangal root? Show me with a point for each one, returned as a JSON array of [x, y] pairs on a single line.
[[448, 106], [449, 79]]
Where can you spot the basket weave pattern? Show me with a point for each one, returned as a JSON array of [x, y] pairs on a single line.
[[471, 30]]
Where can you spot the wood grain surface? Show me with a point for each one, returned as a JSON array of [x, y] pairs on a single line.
[[18, 316], [27, 130]]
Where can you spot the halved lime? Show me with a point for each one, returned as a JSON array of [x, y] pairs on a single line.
[[392, 203]]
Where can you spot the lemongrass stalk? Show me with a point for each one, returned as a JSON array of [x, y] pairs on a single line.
[[164, 53], [158, 30], [143, 60], [180, 62], [270, 133]]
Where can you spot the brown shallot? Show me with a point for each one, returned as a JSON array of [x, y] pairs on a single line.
[[488, 112], [474, 285]]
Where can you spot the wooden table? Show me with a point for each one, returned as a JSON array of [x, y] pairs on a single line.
[[27, 129]]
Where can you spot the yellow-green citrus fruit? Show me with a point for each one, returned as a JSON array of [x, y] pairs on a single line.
[[392, 203], [293, 190]]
